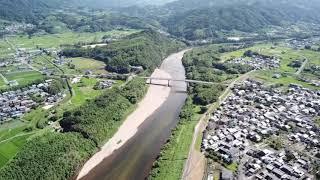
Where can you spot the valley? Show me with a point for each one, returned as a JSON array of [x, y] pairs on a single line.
[[177, 89]]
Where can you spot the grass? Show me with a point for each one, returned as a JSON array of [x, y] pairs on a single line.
[[2, 83], [56, 40], [8, 149], [5, 49], [232, 167], [42, 61], [83, 92], [199, 141], [24, 77], [266, 76], [176, 152], [318, 121], [83, 64], [12, 137]]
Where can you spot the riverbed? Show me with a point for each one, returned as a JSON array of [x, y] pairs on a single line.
[[134, 158]]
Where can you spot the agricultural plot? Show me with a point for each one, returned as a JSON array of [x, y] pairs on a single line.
[[68, 38], [2, 83], [5, 49], [8, 149], [43, 61], [24, 77], [12, 138], [83, 64]]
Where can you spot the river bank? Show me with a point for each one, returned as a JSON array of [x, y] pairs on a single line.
[[132, 150]]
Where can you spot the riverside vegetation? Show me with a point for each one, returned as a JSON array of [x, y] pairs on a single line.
[[60, 155]]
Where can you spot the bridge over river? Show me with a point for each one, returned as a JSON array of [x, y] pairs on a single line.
[[155, 81]]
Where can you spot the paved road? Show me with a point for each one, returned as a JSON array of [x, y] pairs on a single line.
[[194, 160]]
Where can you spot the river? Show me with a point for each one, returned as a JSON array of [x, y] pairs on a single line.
[[134, 159]]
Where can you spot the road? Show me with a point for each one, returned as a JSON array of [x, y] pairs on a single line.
[[4, 78], [302, 66], [194, 166], [181, 80]]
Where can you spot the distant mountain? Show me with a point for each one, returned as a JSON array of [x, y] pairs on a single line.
[[30, 10], [127, 3], [196, 19], [191, 19]]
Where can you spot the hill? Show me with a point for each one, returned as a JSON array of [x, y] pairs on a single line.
[[146, 49], [199, 19]]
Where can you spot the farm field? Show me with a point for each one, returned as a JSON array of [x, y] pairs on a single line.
[[42, 61], [24, 78], [8, 149], [2, 83], [68, 38], [5, 49], [13, 136], [83, 64]]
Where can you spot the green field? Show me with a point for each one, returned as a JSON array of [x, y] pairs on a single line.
[[5, 49], [2, 83], [24, 77], [13, 135], [42, 61], [56, 40], [8, 149], [88, 64]]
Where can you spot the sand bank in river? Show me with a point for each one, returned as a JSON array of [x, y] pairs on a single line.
[[154, 98]]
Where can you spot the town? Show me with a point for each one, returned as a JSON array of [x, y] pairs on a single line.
[[14, 104], [269, 133], [257, 61]]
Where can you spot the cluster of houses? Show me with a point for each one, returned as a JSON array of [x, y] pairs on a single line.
[[14, 104], [17, 28], [310, 81], [301, 43], [267, 164], [104, 84], [258, 62], [254, 112]]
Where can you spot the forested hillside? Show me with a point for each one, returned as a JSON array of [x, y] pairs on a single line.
[[199, 20], [190, 19], [146, 49]]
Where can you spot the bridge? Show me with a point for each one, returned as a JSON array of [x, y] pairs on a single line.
[[149, 81]]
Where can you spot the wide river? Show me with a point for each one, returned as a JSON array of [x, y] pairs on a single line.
[[133, 161]]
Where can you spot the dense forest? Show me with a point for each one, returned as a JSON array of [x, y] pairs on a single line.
[[60, 155], [146, 49], [49, 156]]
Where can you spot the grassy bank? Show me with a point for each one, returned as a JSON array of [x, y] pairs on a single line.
[[171, 160]]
